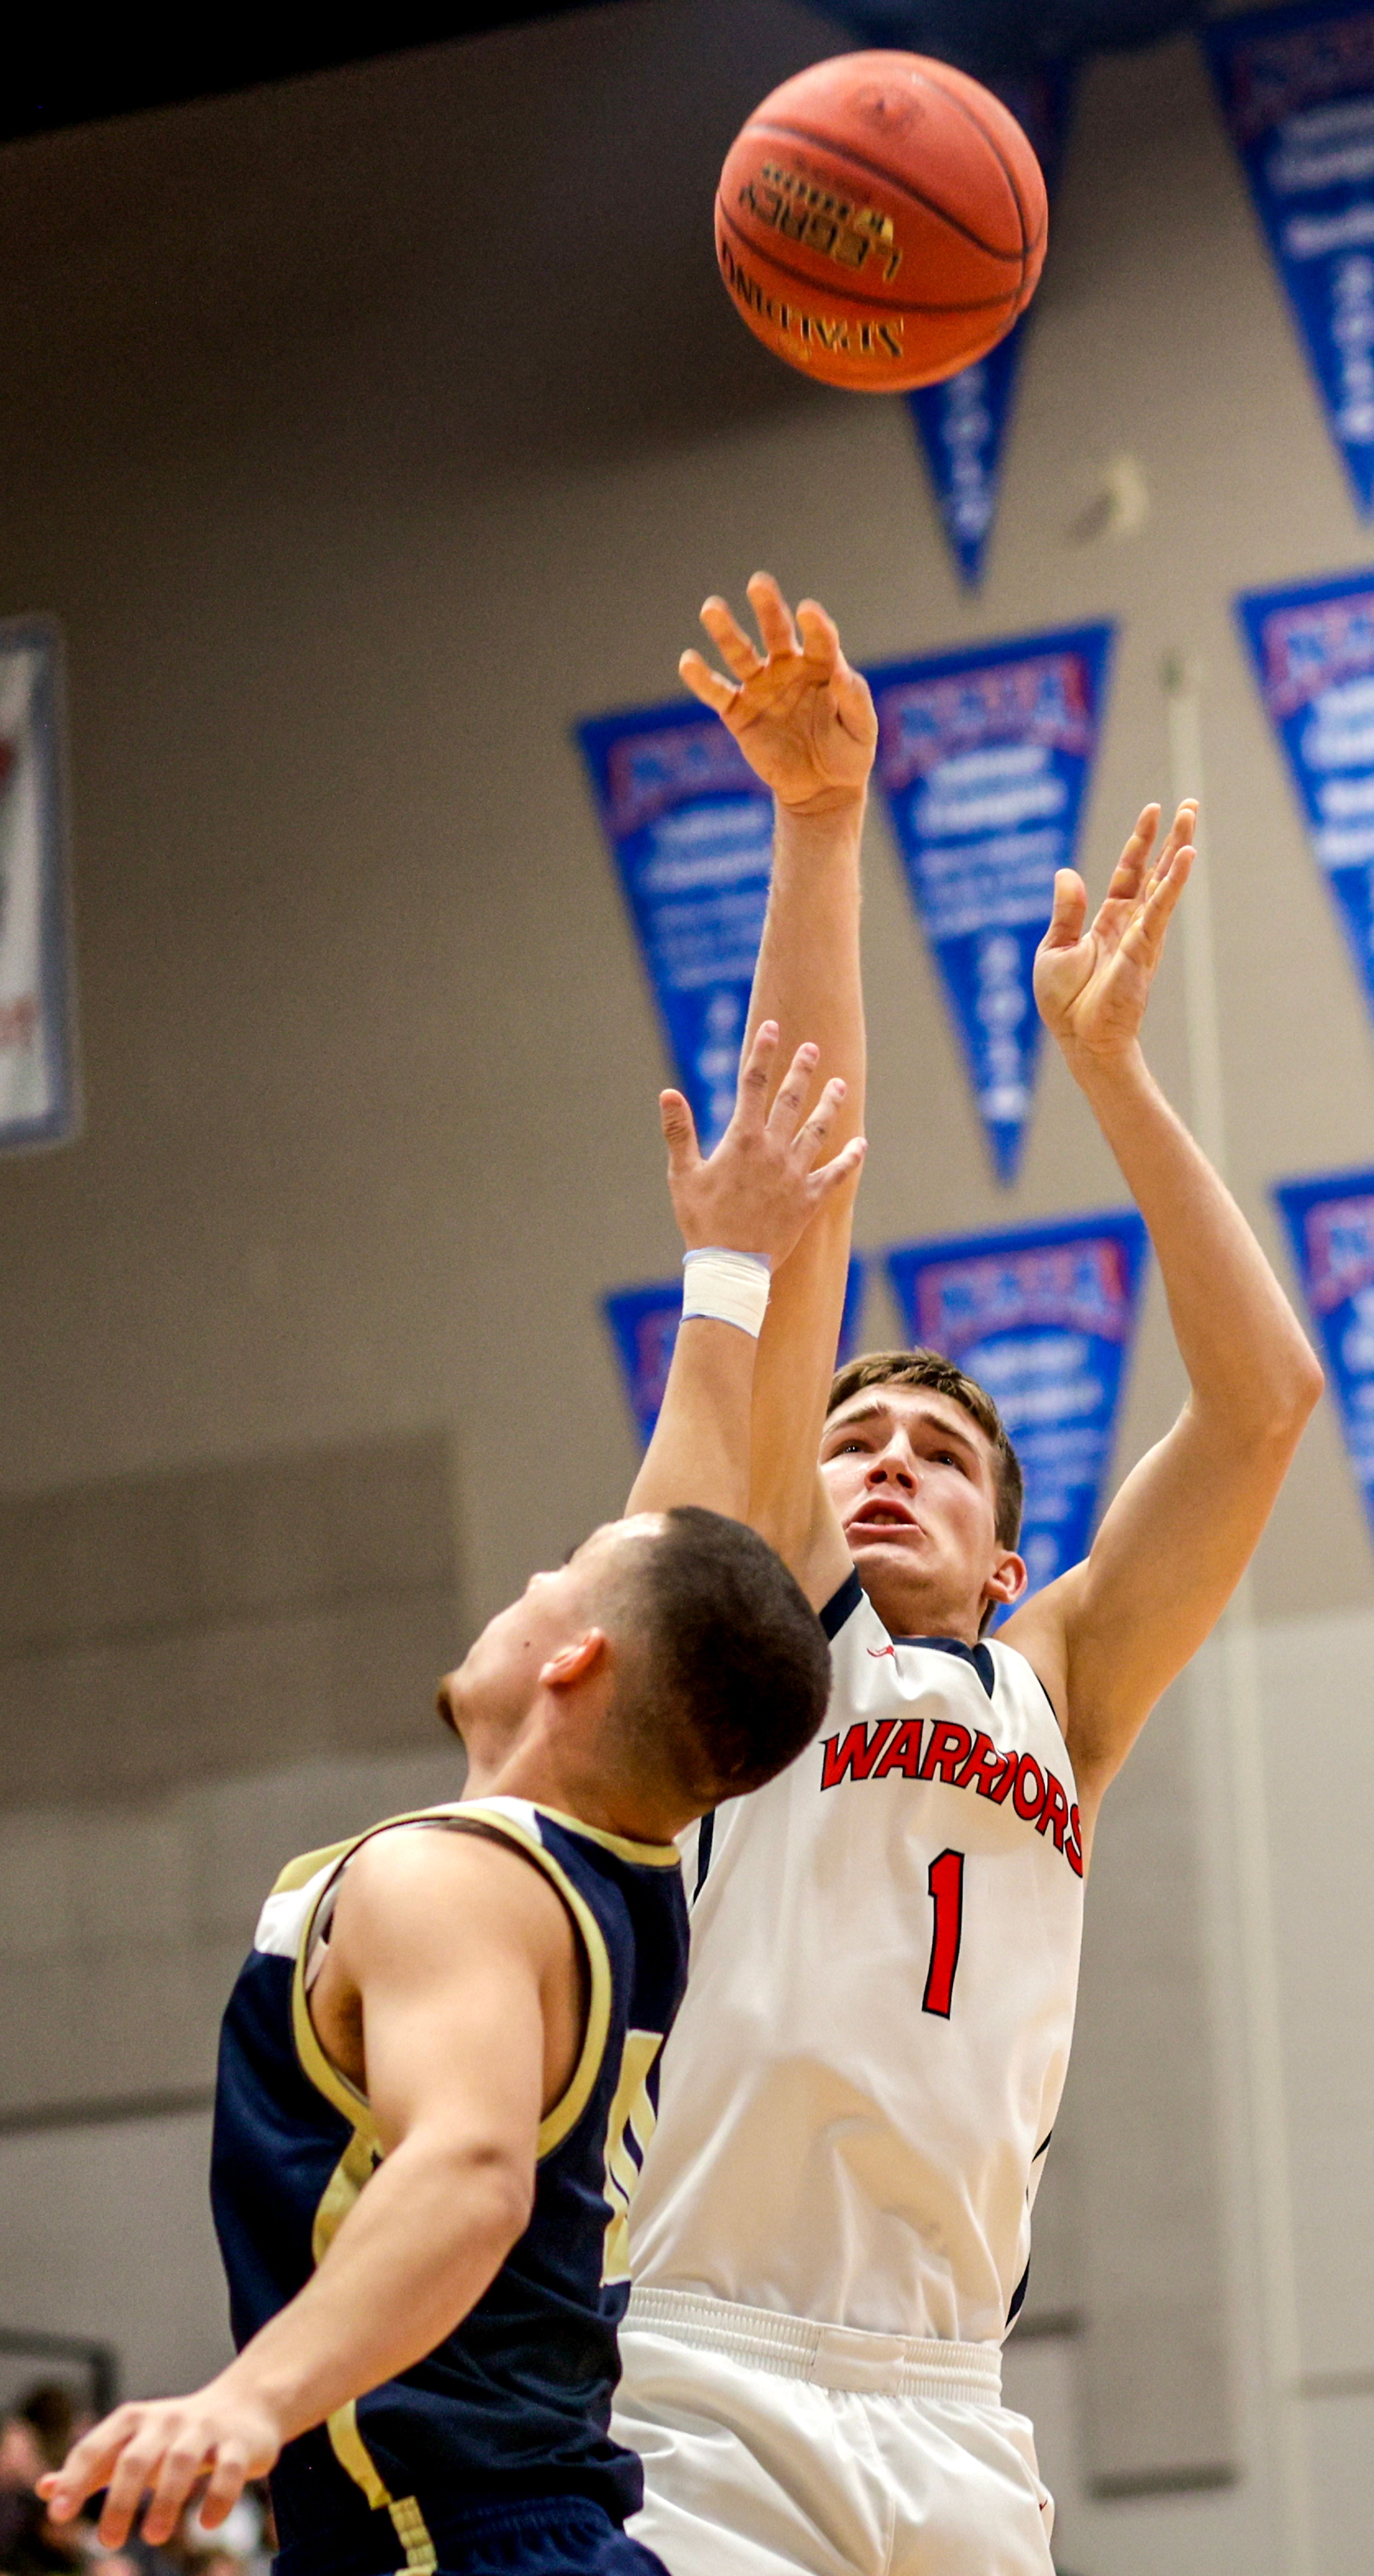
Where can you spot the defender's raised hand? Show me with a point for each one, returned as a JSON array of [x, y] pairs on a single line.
[[761, 1187], [1092, 985], [802, 718]]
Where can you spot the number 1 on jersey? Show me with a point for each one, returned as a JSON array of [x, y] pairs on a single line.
[[945, 1879]]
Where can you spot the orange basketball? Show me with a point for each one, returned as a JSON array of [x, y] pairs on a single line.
[[880, 221]]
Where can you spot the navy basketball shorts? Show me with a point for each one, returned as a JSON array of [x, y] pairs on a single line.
[[548, 2536]]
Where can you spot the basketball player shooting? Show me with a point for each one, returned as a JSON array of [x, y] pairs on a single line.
[[832, 2234], [439, 2066]]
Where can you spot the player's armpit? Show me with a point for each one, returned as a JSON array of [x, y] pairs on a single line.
[[1111, 1635]]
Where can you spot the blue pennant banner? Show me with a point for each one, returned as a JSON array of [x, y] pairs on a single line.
[[691, 830], [1330, 1222], [1297, 91], [1045, 1320], [984, 758], [962, 424], [1313, 650], [38, 1104], [643, 1326]]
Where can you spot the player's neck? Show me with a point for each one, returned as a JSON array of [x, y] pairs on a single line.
[[550, 1773], [909, 1610]]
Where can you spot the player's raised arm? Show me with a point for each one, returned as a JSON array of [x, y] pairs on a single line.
[[804, 720], [1110, 1635], [463, 1961], [740, 1213]]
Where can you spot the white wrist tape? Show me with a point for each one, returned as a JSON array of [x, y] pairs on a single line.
[[726, 1287]]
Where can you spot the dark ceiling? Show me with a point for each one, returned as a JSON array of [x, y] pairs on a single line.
[[59, 80], [55, 80]]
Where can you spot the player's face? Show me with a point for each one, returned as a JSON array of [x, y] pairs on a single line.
[[914, 1481], [497, 1682]]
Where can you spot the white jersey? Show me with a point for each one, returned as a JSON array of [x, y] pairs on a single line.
[[863, 2078]]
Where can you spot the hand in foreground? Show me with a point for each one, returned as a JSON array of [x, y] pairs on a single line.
[[162, 2447], [801, 717], [760, 1189], [1092, 985]]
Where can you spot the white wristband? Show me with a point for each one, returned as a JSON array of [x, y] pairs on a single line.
[[726, 1287]]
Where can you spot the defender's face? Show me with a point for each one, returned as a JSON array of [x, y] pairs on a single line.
[[498, 1680], [914, 1481]]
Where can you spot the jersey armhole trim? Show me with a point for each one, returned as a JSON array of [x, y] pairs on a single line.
[[1040, 1686], [345, 2097], [643, 1855], [842, 1605]]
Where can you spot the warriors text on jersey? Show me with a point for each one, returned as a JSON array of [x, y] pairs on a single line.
[[515, 2404], [885, 1945]]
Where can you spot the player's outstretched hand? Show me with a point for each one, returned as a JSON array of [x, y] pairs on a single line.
[[760, 1189], [161, 2448], [1092, 984], [802, 718]]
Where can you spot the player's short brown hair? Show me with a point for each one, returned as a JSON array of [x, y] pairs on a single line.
[[727, 1672], [927, 1368]]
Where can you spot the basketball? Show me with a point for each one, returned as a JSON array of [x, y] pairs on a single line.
[[881, 221]]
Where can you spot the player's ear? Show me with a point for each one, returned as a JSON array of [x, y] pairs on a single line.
[[577, 1661], [1007, 1581]]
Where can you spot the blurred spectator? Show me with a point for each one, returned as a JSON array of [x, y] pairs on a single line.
[[36, 2437], [32, 2439]]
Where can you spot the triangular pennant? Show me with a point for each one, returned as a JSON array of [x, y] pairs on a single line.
[[643, 1326], [691, 831], [1330, 1223], [1313, 650], [1045, 1319], [1297, 91], [983, 759], [962, 424]]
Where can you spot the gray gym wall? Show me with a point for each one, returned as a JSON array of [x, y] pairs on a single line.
[[362, 433]]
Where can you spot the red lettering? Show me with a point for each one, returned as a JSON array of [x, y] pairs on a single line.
[[982, 1766], [1005, 1780], [1027, 1801], [854, 1756], [948, 1747], [1073, 1849], [1056, 1814], [904, 1752]]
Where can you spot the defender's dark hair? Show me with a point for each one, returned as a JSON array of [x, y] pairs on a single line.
[[927, 1368], [732, 1671]]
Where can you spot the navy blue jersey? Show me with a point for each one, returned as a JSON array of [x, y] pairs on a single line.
[[516, 2402]]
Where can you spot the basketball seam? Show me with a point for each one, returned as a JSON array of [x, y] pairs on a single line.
[[850, 294], [996, 150], [874, 170]]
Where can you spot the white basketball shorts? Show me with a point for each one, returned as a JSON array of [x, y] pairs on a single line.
[[773, 2446]]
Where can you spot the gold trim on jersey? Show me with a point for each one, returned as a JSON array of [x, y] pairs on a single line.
[[645, 1855], [363, 2153], [631, 2116], [352, 2454]]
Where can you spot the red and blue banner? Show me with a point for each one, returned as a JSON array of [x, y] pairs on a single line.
[[1330, 1222], [691, 832], [962, 424], [1313, 652], [984, 759], [643, 1326], [1297, 91], [38, 1097], [1045, 1319]]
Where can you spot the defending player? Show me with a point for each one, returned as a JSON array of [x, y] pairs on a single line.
[[832, 2234], [438, 2067]]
